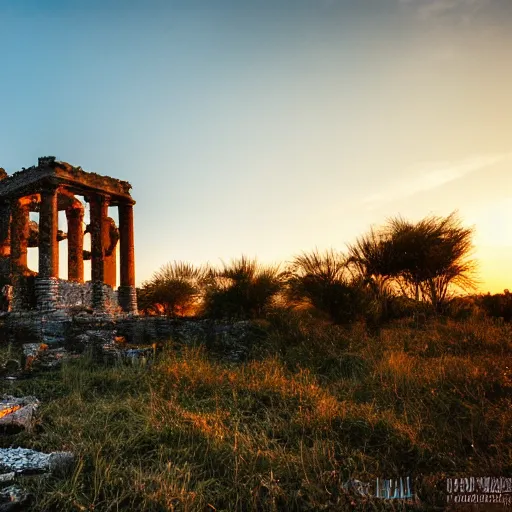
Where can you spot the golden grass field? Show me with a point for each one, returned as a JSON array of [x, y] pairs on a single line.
[[314, 405]]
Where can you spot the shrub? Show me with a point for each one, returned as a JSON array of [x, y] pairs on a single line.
[[242, 289], [324, 281], [424, 259], [498, 305], [174, 290]]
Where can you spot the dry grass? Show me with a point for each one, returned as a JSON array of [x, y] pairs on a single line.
[[315, 406]]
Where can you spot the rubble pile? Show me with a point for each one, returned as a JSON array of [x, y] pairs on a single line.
[[113, 348], [138, 356]]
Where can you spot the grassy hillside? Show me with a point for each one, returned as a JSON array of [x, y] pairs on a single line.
[[315, 405]]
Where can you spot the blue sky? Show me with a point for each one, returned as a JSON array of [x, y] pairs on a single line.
[[270, 127]]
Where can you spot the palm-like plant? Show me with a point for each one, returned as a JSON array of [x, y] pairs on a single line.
[[423, 259], [242, 288], [174, 290]]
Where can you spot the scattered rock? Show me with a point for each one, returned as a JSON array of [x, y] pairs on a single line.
[[40, 355], [18, 413], [7, 477], [26, 461], [13, 498]]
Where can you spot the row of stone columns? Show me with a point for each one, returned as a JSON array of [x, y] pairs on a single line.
[[103, 269]]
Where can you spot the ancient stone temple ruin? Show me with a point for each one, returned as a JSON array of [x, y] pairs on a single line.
[[48, 188]]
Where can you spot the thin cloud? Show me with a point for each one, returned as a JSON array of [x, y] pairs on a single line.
[[428, 9], [431, 175]]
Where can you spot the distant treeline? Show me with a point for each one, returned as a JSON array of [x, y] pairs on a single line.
[[400, 269]]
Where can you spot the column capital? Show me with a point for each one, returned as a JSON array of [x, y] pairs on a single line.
[[125, 202]]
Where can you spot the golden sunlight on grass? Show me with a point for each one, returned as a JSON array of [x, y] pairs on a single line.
[[195, 433]]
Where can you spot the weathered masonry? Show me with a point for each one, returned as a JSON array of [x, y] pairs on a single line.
[[48, 188]]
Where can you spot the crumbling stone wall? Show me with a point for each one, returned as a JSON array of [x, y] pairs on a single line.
[[67, 294], [233, 339], [73, 294]]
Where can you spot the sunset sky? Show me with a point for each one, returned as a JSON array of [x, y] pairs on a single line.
[[269, 127]]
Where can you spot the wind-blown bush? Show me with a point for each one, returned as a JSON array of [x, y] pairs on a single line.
[[423, 259], [174, 290], [242, 289], [325, 282]]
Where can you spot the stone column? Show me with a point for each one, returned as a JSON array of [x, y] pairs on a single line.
[[5, 239], [5, 242], [75, 218], [48, 226], [5, 229], [110, 267], [19, 246], [99, 210], [47, 283], [19, 237], [127, 293]]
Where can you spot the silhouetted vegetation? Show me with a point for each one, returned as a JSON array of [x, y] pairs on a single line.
[[498, 305], [319, 397], [174, 290], [241, 289], [398, 270], [325, 282], [422, 260]]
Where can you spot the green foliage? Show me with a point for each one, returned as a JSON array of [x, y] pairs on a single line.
[[241, 289], [174, 290]]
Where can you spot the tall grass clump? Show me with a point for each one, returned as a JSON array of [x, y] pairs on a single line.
[[241, 289], [324, 282], [174, 290]]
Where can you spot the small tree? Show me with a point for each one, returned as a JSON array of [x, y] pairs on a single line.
[[174, 290], [423, 259]]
